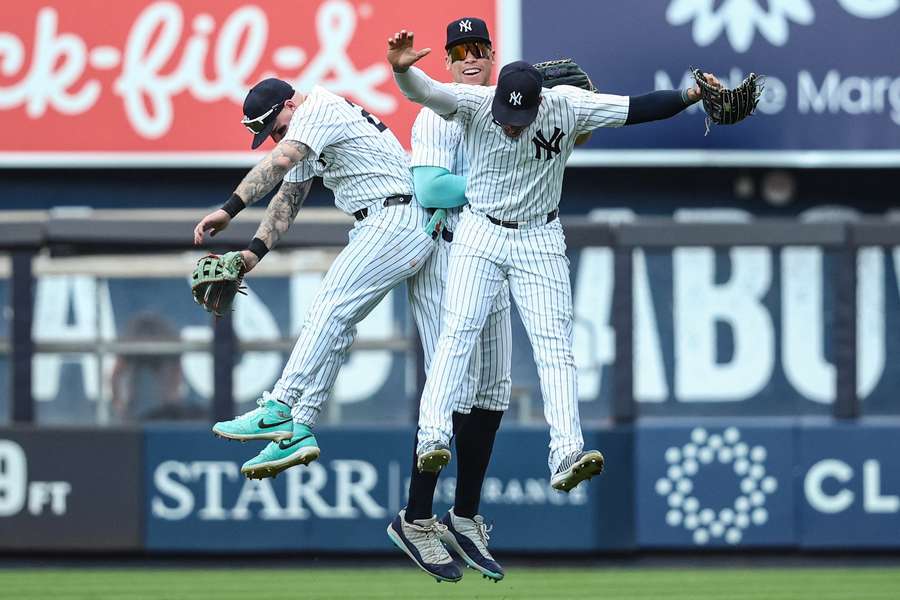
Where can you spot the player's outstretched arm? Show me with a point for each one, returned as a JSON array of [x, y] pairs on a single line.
[[415, 84], [664, 104], [280, 214]]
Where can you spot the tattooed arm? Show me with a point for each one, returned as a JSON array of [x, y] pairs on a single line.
[[270, 170], [256, 184], [282, 211], [280, 214]]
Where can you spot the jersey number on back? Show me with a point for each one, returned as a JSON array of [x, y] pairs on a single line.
[[369, 117]]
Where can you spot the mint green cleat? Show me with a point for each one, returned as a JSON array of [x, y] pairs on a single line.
[[301, 449], [271, 420]]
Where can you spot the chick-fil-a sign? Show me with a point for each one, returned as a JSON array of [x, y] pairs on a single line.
[[167, 79]]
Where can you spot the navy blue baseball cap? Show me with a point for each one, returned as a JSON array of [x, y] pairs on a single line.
[[467, 29], [261, 107], [518, 94]]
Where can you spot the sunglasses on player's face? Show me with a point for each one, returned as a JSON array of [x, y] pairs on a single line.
[[259, 123], [477, 49]]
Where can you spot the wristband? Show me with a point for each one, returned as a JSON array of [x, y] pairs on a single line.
[[234, 205], [258, 247]]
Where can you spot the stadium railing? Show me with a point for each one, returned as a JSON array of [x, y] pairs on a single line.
[[26, 235]]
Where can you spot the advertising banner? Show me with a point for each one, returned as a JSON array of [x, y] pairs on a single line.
[[850, 485], [832, 78], [711, 484], [741, 332], [197, 500], [162, 83], [70, 489]]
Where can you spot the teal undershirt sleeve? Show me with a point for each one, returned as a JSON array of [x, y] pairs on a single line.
[[436, 187]]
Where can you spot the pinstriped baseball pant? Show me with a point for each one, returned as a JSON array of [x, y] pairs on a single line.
[[385, 248], [533, 260], [487, 382]]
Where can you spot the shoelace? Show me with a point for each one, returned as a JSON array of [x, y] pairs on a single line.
[[432, 535], [260, 403], [433, 530], [568, 462], [483, 530]]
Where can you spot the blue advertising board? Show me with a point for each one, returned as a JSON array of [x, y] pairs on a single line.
[[832, 79], [197, 500], [714, 484], [850, 483]]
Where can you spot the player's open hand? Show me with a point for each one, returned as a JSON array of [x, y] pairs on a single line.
[[694, 92], [401, 53], [214, 222]]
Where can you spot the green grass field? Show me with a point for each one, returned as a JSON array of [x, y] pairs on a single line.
[[394, 583]]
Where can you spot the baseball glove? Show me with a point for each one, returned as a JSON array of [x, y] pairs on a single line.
[[564, 72], [216, 280], [725, 106]]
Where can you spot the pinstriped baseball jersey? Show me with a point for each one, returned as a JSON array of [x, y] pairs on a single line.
[[357, 156], [518, 179], [514, 179], [362, 162], [437, 142]]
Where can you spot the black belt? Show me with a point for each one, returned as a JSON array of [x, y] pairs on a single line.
[[515, 224], [389, 201]]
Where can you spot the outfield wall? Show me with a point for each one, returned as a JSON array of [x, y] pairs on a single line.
[[670, 484]]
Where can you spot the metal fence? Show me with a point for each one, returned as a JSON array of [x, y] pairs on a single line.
[[27, 236]]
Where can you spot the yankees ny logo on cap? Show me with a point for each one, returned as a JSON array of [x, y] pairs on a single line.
[[466, 29], [518, 95]]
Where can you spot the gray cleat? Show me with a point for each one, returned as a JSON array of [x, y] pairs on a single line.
[[576, 468], [432, 457]]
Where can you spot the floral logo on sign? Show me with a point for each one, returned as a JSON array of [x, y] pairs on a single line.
[[740, 19], [708, 523]]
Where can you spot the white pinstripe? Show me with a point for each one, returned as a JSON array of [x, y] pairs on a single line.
[[515, 179], [486, 384], [384, 249], [505, 180], [362, 162], [358, 158]]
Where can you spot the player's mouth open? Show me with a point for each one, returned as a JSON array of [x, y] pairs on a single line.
[[475, 71]]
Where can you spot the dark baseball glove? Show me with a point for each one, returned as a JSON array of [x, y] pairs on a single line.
[[725, 106], [216, 280], [564, 72]]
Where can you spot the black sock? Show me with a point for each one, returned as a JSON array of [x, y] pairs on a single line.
[[421, 485], [474, 444]]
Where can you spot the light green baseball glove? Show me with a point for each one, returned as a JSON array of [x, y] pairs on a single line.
[[216, 280]]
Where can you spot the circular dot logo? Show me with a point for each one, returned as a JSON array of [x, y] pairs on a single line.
[[687, 462]]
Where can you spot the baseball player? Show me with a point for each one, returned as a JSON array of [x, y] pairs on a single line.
[[517, 139], [360, 160], [439, 169]]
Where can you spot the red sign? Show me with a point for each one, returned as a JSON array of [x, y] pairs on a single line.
[[133, 79]]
